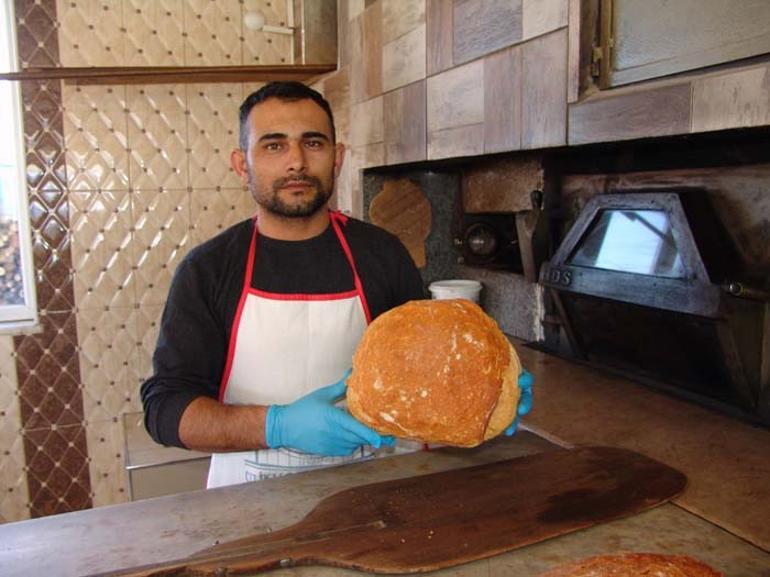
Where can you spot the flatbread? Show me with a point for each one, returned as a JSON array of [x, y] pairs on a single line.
[[634, 564]]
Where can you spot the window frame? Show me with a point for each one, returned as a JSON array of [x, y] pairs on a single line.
[[13, 317]]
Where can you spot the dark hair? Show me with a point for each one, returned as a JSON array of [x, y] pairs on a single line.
[[289, 91]]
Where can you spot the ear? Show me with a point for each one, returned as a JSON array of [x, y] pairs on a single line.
[[339, 157], [240, 165]]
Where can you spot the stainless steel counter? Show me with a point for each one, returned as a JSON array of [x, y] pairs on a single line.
[[171, 527]]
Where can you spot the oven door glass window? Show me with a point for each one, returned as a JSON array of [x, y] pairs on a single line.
[[634, 241]]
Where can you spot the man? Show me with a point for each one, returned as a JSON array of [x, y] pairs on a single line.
[[261, 317]]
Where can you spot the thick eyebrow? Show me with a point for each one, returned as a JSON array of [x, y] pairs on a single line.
[[313, 134], [283, 136]]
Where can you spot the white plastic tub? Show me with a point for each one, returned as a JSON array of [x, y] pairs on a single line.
[[456, 289]]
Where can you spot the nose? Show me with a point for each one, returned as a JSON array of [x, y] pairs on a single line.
[[295, 157]]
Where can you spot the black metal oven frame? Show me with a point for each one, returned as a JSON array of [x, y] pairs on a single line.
[[694, 294]]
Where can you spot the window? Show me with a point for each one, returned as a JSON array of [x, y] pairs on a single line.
[[636, 241], [17, 289]]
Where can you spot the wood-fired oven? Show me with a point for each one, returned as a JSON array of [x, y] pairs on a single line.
[[650, 284]]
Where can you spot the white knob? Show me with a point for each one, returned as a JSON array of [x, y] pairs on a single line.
[[254, 20]]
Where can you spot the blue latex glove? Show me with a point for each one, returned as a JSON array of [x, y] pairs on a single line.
[[313, 424], [525, 401]]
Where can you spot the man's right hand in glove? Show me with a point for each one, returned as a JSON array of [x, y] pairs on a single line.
[[313, 424]]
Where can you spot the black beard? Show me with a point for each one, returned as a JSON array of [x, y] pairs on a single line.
[[275, 205]]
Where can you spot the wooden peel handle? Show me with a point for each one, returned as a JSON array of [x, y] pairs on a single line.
[[222, 567], [223, 564]]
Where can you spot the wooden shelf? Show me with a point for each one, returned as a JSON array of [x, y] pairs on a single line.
[[171, 74]]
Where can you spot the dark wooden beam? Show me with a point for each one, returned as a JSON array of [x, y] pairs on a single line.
[[172, 74]]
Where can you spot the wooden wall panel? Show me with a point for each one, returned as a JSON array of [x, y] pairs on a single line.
[[336, 89], [399, 17], [543, 16], [483, 26], [461, 141], [502, 100], [657, 112], [357, 67], [403, 59], [366, 122], [343, 34], [544, 91], [438, 17], [356, 8], [731, 100], [405, 124], [456, 97], [372, 48], [369, 155], [573, 52]]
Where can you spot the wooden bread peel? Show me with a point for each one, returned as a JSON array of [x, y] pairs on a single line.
[[433, 521]]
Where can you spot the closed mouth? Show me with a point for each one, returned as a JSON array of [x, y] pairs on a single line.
[[297, 184]]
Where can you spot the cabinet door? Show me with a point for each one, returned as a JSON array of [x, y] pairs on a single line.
[[653, 38]]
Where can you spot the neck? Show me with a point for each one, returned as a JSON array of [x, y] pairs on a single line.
[[292, 228]]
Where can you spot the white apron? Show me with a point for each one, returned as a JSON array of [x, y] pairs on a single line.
[[282, 347]]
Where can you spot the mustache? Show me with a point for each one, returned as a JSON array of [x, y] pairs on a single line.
[[281, 182]]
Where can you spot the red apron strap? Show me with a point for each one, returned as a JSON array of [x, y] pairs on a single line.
[[337, 219], [237, 320]]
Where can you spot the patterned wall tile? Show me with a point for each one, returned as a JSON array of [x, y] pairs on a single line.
[[36, 33], [157, 136], [153, 32], [261, 47], [57, 474], [13, 478], [48, 373], [100, 229], [106, 448], [146, 324], [161, 239], [91, 32], [213, 211], [14, 497], [213, 32], [96, 137], [43, 136], [49, 398], [47, 193], [266, 48], [213, 134], [106, 362]]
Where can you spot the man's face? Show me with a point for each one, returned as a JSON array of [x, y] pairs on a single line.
[[292, 162]]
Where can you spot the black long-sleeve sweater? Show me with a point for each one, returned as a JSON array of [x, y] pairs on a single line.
[[195, 328]]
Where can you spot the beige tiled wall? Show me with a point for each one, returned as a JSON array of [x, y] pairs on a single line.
[[169, 33], [147, 178], [13, 486]]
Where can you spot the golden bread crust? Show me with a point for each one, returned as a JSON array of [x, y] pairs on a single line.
[[626, 564], [434, 371]]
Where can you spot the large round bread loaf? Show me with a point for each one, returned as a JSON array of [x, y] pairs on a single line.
[[435, 371], [628, 564]]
